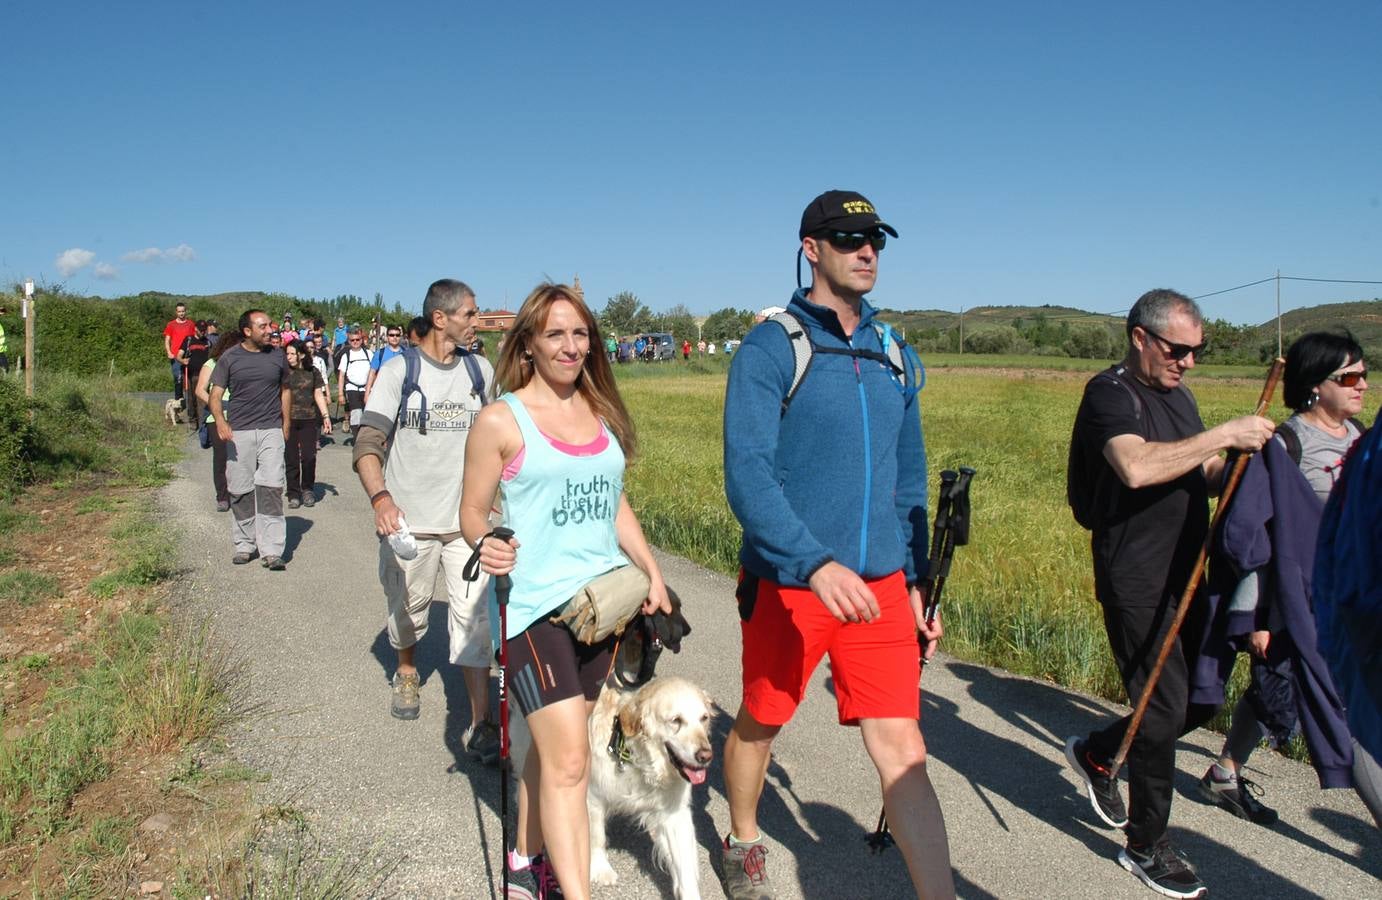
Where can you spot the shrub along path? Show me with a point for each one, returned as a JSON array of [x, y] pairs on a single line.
[[377, 789]]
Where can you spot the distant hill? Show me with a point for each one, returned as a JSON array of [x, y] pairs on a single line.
[[982, 316], [1363, 318]]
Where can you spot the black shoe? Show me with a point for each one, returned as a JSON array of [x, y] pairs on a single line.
[[1100, 784], [1162, 868], [1236, 796]]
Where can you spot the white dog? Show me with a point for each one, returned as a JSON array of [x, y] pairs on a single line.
[[664, 750], [172, 412]]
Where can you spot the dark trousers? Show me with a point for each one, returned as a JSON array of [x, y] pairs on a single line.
[[300, 456], [355, 399], [218, 464], [177, 368], [1135, 635]]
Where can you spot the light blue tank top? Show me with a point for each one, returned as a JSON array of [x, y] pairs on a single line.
[[561, 508]]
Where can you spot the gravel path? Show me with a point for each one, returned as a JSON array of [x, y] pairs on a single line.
[[318, 657]]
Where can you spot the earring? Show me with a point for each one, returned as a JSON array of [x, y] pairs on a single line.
[[1312, 400]]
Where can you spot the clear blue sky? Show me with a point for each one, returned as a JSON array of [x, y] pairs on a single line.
[[1075, 153]]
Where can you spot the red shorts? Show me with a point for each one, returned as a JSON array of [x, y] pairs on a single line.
[[876, 665]]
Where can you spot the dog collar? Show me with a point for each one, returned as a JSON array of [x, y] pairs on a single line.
[[618, 747]]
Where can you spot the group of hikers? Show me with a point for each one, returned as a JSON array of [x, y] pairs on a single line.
[[825, 470]]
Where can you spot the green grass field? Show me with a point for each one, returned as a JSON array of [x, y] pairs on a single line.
[[1021, 595]]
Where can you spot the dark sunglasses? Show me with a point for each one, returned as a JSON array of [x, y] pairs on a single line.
[[1348, 379], [395, 334], [848, 243], [1179, 351]]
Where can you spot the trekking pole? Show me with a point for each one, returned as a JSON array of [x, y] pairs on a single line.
[[950, 530], [1230, 485], [502, 585]]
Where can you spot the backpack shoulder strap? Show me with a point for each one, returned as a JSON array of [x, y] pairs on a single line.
[[902, 358], [1115, 375], [412, 369], [802, 351], [477, 375], [1291, 438]]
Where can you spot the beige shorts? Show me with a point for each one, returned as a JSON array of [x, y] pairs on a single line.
[[410, 586]]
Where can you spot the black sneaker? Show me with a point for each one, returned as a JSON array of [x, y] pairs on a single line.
[[1163, 869], [1237, 796], [1100, 784], [744, 871], [482, 743]]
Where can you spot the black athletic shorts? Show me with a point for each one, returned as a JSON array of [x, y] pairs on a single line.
[[547, 664]]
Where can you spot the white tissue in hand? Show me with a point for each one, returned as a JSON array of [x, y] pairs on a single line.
[[402, 541]]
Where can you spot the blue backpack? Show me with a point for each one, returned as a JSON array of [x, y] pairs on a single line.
[[412, 368]]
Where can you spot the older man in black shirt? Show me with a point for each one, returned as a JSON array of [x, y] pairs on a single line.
[[1142, 467]]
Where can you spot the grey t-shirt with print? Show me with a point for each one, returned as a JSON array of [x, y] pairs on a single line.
[[1321, 453], [423, 471]]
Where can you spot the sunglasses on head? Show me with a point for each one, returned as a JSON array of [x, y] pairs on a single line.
[[1348, 379], [849, 242], [1179, 351]]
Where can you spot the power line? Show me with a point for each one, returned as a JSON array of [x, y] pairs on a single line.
[[1238, 288]]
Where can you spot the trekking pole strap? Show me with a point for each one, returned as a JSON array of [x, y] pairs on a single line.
[[471, 571]]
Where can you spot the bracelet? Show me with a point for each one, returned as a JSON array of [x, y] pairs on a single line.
[[383, 493]]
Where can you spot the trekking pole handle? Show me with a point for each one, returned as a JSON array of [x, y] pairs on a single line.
[[502, 583]]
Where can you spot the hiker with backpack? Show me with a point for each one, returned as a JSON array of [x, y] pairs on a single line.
[[394, 336], [1268, 536], [309, 418], [353, 368], [409, 454], [825, 469], [1141, 470]]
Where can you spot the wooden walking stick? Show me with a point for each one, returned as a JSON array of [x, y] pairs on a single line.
[[1230, 484]]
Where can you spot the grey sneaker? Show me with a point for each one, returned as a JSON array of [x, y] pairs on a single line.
[[222, 506], [242, 558], [534, 882], [744, 871], [1237, 796], [1163, 869], [1100, 784], [309, 500], [406, 703], [294, 502], [274, 563], [482, 743]]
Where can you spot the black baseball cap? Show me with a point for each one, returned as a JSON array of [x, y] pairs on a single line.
[[847, 211]]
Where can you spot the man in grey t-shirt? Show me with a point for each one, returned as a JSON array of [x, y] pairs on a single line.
[[415, 475], [254, 434]]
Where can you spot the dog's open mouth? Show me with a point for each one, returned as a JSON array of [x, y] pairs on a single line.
[[690, 771]]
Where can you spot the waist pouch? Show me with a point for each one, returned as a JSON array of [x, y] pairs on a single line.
[[605, 605]]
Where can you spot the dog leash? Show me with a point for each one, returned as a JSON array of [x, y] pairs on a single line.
[[618, 747]]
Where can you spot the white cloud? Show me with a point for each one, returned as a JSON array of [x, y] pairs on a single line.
[[69, 261], [105, 271], [180, 253]]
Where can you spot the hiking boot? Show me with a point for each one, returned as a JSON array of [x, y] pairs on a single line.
[[534, 882], [222, 506], [309, 500], [1163, 869], [294, 502], [274, 563], [482, 743], [1100, 784], [744, 871], [406, 703], [1236, 794], [242, 558]]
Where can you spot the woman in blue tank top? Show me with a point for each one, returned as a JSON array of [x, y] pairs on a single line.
[[555, 449]]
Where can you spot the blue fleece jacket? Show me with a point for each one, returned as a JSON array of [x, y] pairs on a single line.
[[842, 474]]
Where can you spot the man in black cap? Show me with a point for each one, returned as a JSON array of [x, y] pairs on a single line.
[[833, 552]]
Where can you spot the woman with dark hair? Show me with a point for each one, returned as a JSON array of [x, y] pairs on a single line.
[[218, 446], [309, 418], [556, 449], [1269, 533]]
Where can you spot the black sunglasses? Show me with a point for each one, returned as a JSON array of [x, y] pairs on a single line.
[[395, 334], [849, 242], [1348, 379], [1179, 351]]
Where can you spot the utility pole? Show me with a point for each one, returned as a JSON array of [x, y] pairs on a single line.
[[28, 337], [962, 329], [1278, 314]]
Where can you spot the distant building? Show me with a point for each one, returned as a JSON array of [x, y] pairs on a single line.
[[497, 320]]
